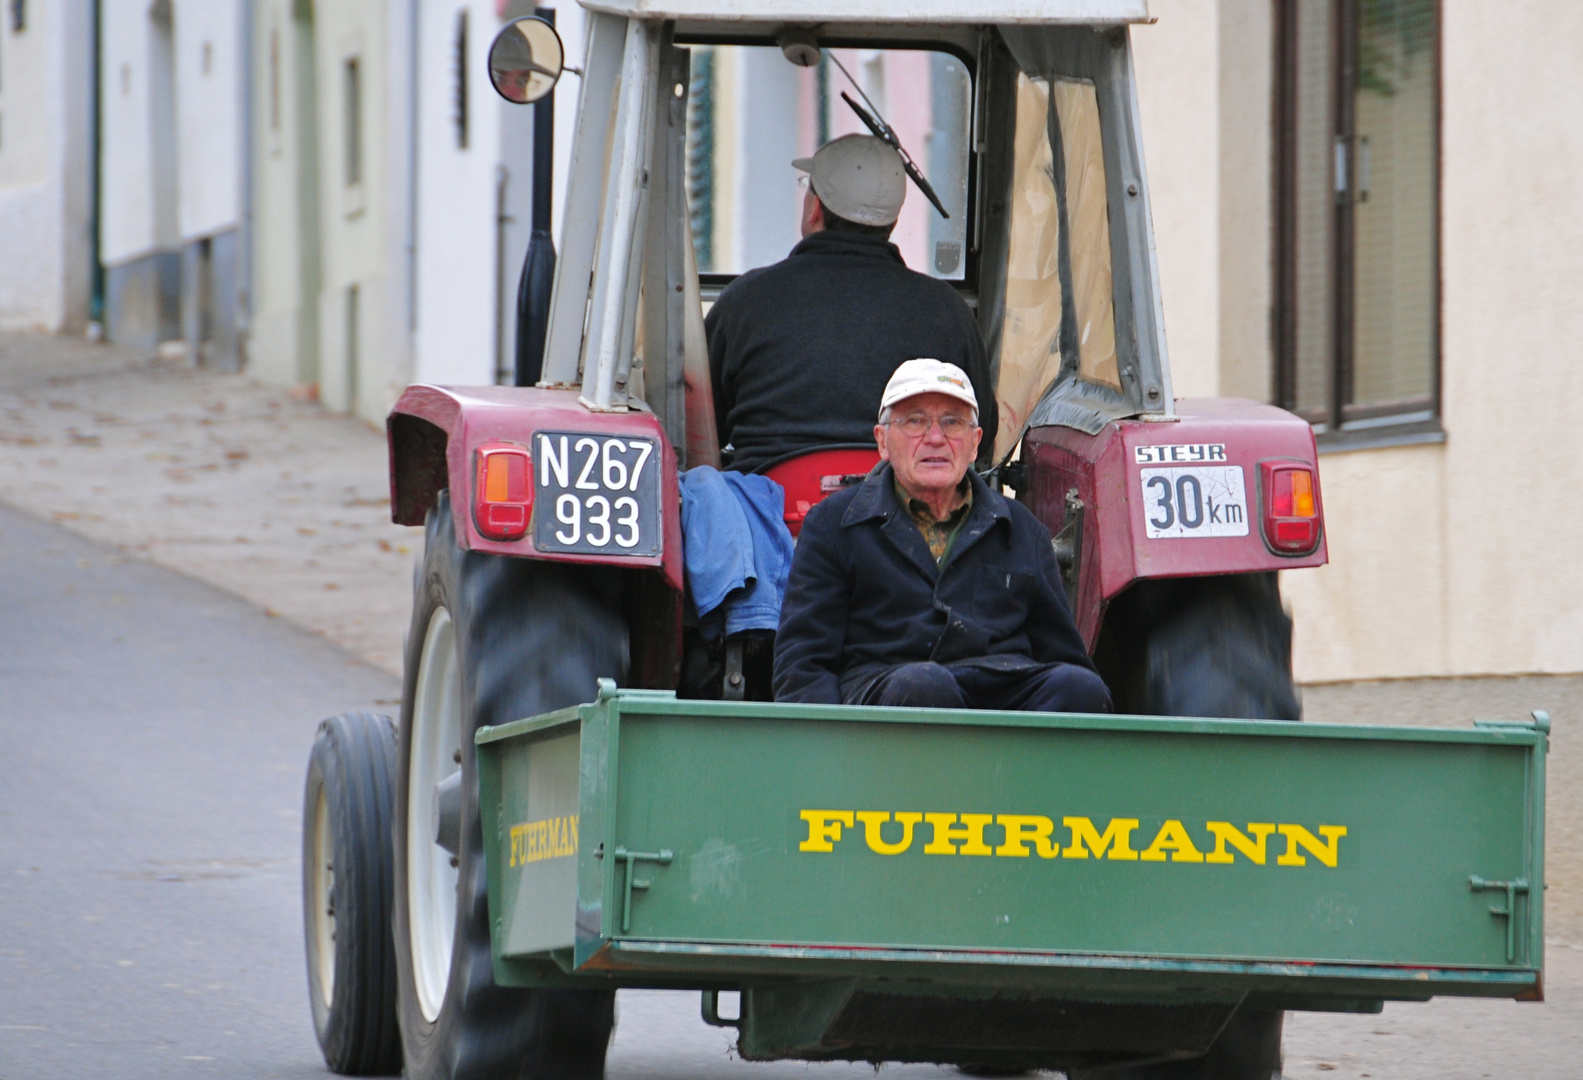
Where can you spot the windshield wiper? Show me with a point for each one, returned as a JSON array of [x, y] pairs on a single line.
[[876, 123]]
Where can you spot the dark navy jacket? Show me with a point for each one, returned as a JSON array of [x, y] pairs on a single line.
[[865, 594]]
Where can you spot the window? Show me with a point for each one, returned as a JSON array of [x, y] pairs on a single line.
[[750, 112], [1357, 182], [352, 97], [1059, 300]]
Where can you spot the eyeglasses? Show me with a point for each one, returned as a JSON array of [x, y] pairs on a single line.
[[916, 425]]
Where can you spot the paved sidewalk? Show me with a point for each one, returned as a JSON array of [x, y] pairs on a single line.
[[279, 501]]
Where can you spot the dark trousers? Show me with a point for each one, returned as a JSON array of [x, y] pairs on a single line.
[[1050, 688]]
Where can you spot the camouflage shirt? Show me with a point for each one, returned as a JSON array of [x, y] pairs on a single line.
[[939, 535]]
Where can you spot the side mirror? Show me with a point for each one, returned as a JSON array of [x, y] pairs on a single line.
[[526, 60]]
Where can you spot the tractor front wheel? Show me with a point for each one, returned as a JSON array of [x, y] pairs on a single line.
[[493, 639], [346, 892]]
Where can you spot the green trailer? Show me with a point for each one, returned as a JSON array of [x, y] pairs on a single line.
[[1017, 889]]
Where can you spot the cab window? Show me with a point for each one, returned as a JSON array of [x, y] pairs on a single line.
[[750, 113], [1059, 312]]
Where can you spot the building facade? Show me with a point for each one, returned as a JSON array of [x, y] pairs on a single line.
[[1363, 217], [331, 194], [391, 185], [46, 173], [172, 147]]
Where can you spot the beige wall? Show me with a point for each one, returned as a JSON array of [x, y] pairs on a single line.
[[1451, 559], [275, 352], [1460, 559], [301, 328], [1204, 92]]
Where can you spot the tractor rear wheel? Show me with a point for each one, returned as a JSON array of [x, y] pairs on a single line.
[[493, 639], [346, 892], [1216, 647]]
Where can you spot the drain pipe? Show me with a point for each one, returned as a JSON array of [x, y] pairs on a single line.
[[538, 269], [502, 219], [96, 314]]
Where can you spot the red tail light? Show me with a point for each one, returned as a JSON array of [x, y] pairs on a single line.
[[1291, 507], [503, 490]]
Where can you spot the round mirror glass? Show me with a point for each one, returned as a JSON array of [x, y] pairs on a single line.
[[526, 60]]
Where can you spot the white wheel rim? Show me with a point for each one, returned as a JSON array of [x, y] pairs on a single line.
[[323, 886], [431, 879]]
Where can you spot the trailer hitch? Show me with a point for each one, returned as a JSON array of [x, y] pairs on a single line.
[[709, 1007]]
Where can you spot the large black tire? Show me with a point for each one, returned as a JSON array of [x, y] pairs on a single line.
[[346, 893], [529, 637], [1217, 647], [1211, 646]]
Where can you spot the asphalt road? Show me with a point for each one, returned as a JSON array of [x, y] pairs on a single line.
[[153, 734], [153, 737]]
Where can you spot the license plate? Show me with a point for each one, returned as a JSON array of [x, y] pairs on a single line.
[[1188, 502], [596, 494]]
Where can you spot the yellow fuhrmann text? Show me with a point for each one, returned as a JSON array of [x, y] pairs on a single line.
[[549, 838], [886, 832]]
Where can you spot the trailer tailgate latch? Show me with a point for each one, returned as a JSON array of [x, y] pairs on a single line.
[[628, 858], [1509, 912]]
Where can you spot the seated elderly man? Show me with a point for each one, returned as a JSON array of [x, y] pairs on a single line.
[[921, 586]]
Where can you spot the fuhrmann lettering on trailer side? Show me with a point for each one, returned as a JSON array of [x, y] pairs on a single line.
[[549, 838], [1030, 836]]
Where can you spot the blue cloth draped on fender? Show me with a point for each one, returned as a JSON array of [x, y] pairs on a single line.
[[737, 549]]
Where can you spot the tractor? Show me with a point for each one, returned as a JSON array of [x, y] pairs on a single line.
[[582, 794]]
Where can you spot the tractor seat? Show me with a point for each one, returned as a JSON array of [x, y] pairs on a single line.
[[809, 475]]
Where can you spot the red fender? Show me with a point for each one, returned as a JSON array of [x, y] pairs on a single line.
[[433, 431], [1105, 469]]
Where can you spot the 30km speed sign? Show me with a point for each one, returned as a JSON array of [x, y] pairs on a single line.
[[1194, 502], [596, 494]]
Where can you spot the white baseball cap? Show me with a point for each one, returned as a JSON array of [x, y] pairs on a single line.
[[858, 177], [926, 376]]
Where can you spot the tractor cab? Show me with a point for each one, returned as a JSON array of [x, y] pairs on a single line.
[[1027, 191]]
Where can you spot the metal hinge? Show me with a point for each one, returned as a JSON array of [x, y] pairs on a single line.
[[622, 855], [1509, 912], [1068, 545]]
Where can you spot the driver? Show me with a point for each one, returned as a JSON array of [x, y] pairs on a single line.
[[800, 351]]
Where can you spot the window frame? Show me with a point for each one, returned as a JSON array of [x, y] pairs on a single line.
[[968, 285], [1342, 424]]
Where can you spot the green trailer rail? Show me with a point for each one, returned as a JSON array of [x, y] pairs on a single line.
[[1033, 888]]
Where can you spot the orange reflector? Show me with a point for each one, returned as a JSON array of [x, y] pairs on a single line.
[[1302, 493], [1291, 507], [503, 500]]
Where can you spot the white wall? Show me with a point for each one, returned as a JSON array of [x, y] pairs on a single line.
[[45, 111], [209, 91], [207, 140], [126, 226], [572, 24], [461, 318]]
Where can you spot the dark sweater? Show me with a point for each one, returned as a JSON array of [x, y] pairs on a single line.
[[800, 351]]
